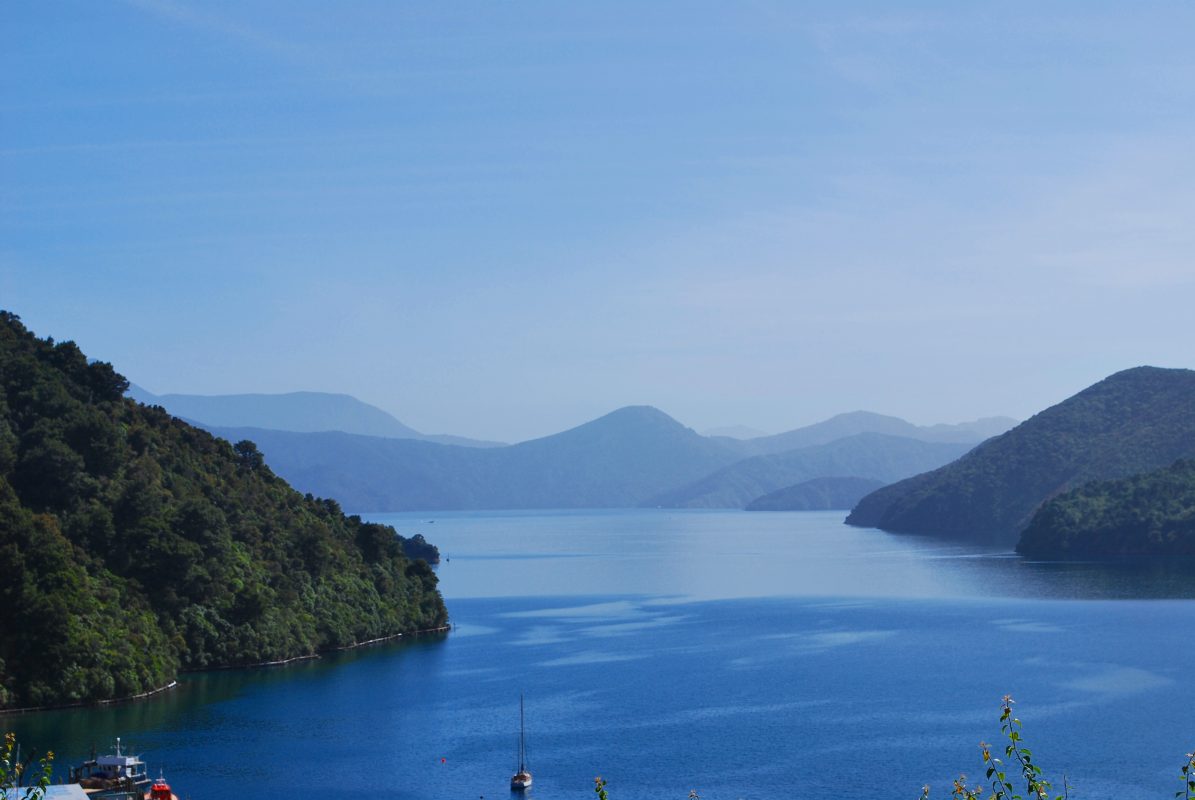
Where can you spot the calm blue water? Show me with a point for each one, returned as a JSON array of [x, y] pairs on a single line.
[[741, 655]]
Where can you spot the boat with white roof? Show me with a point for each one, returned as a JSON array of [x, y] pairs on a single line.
[[114, 776]]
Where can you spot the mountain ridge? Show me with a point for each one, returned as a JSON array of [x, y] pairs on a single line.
[[851, 423], [876, 456], [817, 494], [301, 412], [1133, 421], [625, 458], [611, 461]]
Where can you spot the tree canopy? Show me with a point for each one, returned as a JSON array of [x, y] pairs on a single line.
[[1151, 514]]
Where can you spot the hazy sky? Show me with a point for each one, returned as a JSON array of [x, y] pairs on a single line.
[[500, 219]]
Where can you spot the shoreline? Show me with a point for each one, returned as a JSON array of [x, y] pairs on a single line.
[[258, 665], [319, 654], [132, 698]]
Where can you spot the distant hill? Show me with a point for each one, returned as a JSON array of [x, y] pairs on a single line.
[[635, 456], [866, 455], [302, 412], [133, 545], [735, 432], [856, 422], [819, 494], [1132, 422], [615, 461], [1152, 514]]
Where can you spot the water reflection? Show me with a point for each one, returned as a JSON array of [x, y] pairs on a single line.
[[731, 554]]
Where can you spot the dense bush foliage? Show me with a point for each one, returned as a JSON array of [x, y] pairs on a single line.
[[1150, 514], [1132, 422], [133, 545]]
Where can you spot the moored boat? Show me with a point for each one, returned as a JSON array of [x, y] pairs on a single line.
[[160, 790], [522, 779], [115, 776]]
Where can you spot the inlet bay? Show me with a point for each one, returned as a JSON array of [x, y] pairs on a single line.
[[739, 654]]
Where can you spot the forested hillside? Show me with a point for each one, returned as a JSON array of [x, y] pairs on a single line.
[[1152, 514], [1132, 422], [133, 545]]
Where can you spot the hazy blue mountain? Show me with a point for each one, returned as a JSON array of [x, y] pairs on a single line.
[[302, 412], [819, 494], [615, 461], [735, 432], [634, 456], [1132, 422], [856, 422], [866, 455]]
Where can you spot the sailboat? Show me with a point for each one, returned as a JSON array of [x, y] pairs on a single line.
[[522, 779]]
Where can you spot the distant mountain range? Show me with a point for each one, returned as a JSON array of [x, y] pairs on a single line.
[[877, 456], [819, 494], [635, 456], [735, 432], [334, 445], [1132, 422], [615, 461], [856, 422], [303, 412]]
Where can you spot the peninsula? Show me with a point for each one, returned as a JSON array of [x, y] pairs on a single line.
[[133, 545]]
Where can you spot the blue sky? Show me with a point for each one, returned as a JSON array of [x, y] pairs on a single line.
[[503, 219]]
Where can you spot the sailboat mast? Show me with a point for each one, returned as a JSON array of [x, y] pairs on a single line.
[[521, 780], [522, 744]]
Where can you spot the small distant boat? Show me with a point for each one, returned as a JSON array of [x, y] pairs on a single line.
[[522, 779]]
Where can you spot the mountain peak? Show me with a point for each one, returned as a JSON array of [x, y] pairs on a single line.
[[628, 422], [638, 414]]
